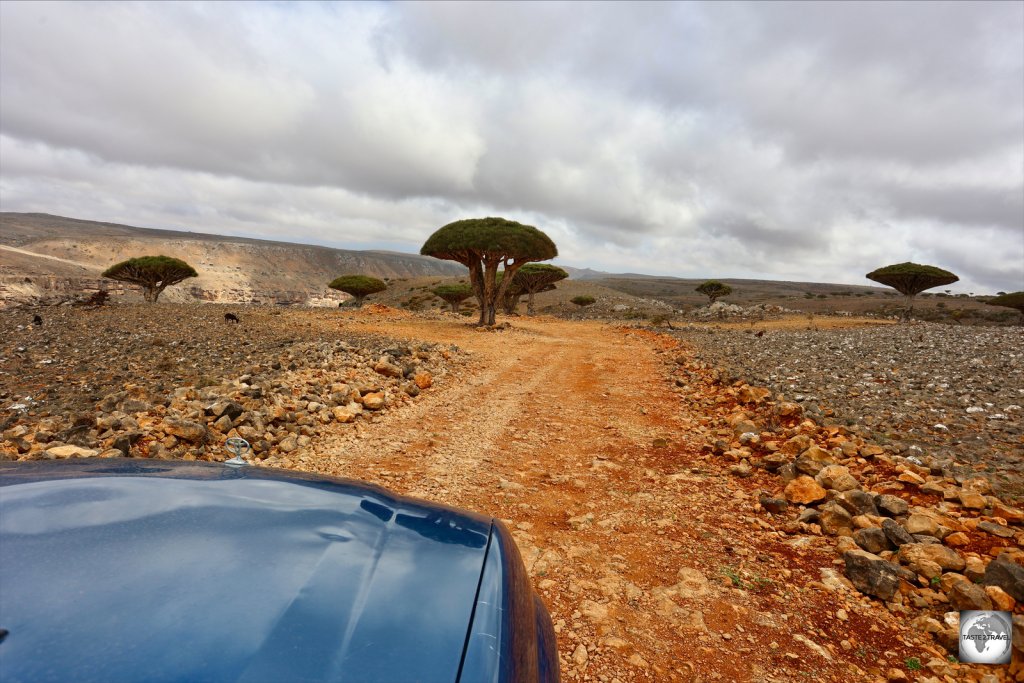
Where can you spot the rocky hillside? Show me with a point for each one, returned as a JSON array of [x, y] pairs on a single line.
[[44, 256]]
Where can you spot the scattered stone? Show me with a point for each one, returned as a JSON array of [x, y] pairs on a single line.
[[1006, 574], [836, 478], [956, 539], [62, 452], [1011, 514], [386, 366], [972, 500], [1001, 600], [872, 540], [775, 506], [870, 574], [921, 524], [186, 429], [996, 529], [742, 470], [966, 595], [373, 401], [858, 502], [896, 534], [835, 520], [915, 554], [890, 505], [804, 490]]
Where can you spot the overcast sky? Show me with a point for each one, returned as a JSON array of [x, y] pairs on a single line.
[[786, 141]]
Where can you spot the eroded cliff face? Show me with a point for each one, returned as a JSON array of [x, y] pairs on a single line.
[[53, 291], [49, 259]]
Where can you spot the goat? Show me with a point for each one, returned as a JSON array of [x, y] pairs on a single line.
[[37, 320], [230, 318]]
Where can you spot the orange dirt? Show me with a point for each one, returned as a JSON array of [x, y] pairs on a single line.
[[551, 427]]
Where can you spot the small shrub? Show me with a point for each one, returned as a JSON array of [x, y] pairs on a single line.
[[661, 320], [582, 301]]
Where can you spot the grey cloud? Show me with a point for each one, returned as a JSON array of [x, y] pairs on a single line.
[[795, 139], [983, 206]]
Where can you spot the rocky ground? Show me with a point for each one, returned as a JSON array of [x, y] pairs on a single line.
[[680, 526], [947, 392], [178, 380]]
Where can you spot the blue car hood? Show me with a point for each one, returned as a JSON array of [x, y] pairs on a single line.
[[141, 570]]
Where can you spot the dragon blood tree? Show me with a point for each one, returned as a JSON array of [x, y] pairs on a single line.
[[910, 279], [453, 294], [714, 290], [485, 244], [153, 273], [534, 278], [359, 286]]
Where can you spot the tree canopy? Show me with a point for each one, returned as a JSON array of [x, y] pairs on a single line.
[[910, 279], [453, 294], [359, 286], [714, 290], [534, 278], [484, 244], [1013, 300], [153, 273]]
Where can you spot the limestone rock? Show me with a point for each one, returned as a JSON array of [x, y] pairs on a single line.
[[373, 401], [775, 506], [186, 429], [1011, 514], [804, 490], [914, 554], [872, 540], [1006, 574], [966, 595], [62, 452], [896, 533], [834, 520], [996, 529], [972, 500], [346, 413], [871, 574], [787, 409], [891, 505], [858, 502], [921, 524], [1001, 600], [386, 366], [837, 478]]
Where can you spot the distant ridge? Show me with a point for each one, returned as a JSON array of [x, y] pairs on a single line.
[[39, 245]]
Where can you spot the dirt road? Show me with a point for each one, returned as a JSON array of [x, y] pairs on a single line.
[[649, 554]]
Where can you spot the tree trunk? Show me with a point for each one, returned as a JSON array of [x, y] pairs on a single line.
[[455, 306], [909, 309], [529, 303], [490, 291], [476, 281]]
